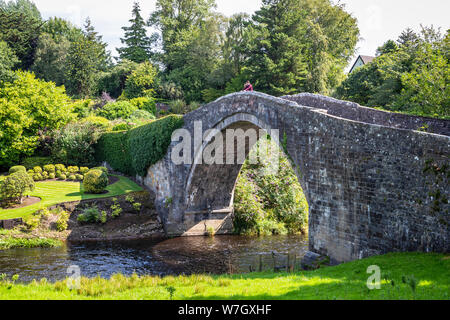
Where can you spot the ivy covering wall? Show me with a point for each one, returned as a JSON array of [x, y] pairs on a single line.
[[134, 151]]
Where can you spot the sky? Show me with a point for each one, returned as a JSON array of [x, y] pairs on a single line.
[[378, 20]]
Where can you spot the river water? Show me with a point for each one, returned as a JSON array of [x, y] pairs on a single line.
[[185, 255]]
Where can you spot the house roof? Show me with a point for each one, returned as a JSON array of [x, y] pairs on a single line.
[[365, 60]]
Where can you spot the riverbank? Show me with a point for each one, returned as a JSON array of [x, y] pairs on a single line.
[[126, 217], [404, 276]]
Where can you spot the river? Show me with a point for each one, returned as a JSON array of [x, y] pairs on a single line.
[[185, 255]]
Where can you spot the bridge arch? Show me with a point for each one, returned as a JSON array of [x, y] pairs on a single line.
[[217, 182], [363, 173]]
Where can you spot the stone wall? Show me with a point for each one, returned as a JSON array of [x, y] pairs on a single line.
[[353, 111], [371, 189]]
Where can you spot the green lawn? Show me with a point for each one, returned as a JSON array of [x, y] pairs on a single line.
[[54, 192], [346, 281]]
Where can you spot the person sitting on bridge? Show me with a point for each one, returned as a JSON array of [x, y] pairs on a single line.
[[248, 86]]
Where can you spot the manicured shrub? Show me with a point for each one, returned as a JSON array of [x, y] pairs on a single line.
[[30, 171], [37, 169], [104, 169], [73, 169], [84, 170], [52, 176], [60, 167], [72, 177], [44, 175], [74, 143], [38, 177], [50, 168], [149, 143], [95, 181], [134, 151], [79, 177], [63, 176], [116, 110], [17, 169], [14, 186], [113, 148]]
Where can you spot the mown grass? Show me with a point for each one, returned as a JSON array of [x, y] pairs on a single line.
[[346, 281], [14, 243], [54, 192]]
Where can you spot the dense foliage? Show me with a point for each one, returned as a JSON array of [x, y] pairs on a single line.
[[410, 75], [132, 152], [269, 200], [74, 144], [13, 187], [28, 105], [95, 181]]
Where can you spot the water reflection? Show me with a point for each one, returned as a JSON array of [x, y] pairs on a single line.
[[145, 257]]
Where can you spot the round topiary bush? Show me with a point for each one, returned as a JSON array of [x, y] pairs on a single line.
[[79, 177], [62, 176], [84, 170], [72, 177], [14, 186], [60, 167], [37, 169], [73, 169], [45, 175], [50, 168], [51, 176], [38, 177], [95, 181], [17, 169], [104, 169]]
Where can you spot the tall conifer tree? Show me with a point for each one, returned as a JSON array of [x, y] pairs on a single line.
[[137, 43]]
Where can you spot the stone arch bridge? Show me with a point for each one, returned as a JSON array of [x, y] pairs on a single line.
[[373, 181]]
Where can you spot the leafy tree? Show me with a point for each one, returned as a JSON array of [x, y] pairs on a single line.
[[413, 79], [24, 6], [81, 66], [86, 58], [299, 46], [28, 105], [7, 62], [137, 44], [60, 28], [50, 63], [102, 57], [141, 81], [113, 80], [20, 31], [277, 65], [191, 36], [388, 47]]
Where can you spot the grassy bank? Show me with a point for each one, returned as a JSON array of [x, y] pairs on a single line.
[[14, 243], [54, 192], [405, 276]]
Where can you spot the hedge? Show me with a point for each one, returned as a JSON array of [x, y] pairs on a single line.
[[134, 151]]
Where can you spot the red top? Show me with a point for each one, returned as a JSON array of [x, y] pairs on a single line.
[[248, 87]]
